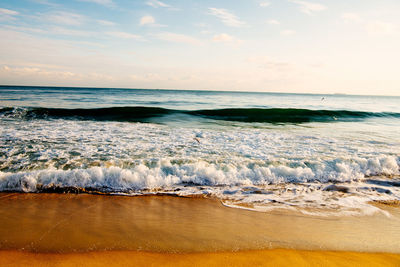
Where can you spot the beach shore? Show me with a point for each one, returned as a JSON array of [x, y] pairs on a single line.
[[84, 229], [274, 257]]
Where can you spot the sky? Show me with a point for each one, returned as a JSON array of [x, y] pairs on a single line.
[[295, 46]]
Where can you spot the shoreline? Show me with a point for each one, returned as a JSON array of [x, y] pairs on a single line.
[[63, 223], [95, 230]]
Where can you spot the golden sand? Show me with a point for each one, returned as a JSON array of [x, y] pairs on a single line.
[[94, 230], [393, 203], [275, 257]]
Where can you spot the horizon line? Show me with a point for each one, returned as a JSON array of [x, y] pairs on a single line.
[[201, 90]]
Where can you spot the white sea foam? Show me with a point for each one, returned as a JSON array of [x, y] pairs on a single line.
[[161, 173], [253, 187], [258, 168]]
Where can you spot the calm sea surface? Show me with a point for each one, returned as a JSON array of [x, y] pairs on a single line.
[[324, 154]]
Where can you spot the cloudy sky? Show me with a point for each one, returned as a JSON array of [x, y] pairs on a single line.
[[317, 46]]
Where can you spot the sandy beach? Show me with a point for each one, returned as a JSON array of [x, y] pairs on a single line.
[[69, 229], [275, 257]]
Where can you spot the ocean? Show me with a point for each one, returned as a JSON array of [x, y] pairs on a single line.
[[317, 154]]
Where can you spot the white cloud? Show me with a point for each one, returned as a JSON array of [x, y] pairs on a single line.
[[308, 7], [201, 25], [265, 62], [265, 4], [20, 48], [7, 14], [287, 32], [4, 11], [223, 37], [150, 21], [55, 30], [65, 31], [125, 35], [147, 77], [273, 22], [24, 29], [381, 27], [105, 22], [177, 38], [67, 18], [371, 26], [107, 3], [156, 4], [226, 17], [44, 75], [351, 17], [36, 71], [145, 20], [159, 4], [44, 2]]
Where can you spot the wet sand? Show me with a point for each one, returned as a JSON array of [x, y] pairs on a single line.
[[275, 257], [94, 229]]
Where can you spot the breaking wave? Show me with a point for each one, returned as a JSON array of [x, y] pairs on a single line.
[[167, 174]]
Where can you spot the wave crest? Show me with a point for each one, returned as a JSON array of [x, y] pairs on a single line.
[[165, 174]]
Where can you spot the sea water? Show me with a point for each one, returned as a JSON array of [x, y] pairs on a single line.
[[319, 154]]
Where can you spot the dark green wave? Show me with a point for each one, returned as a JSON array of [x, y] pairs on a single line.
[[140, 114]]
